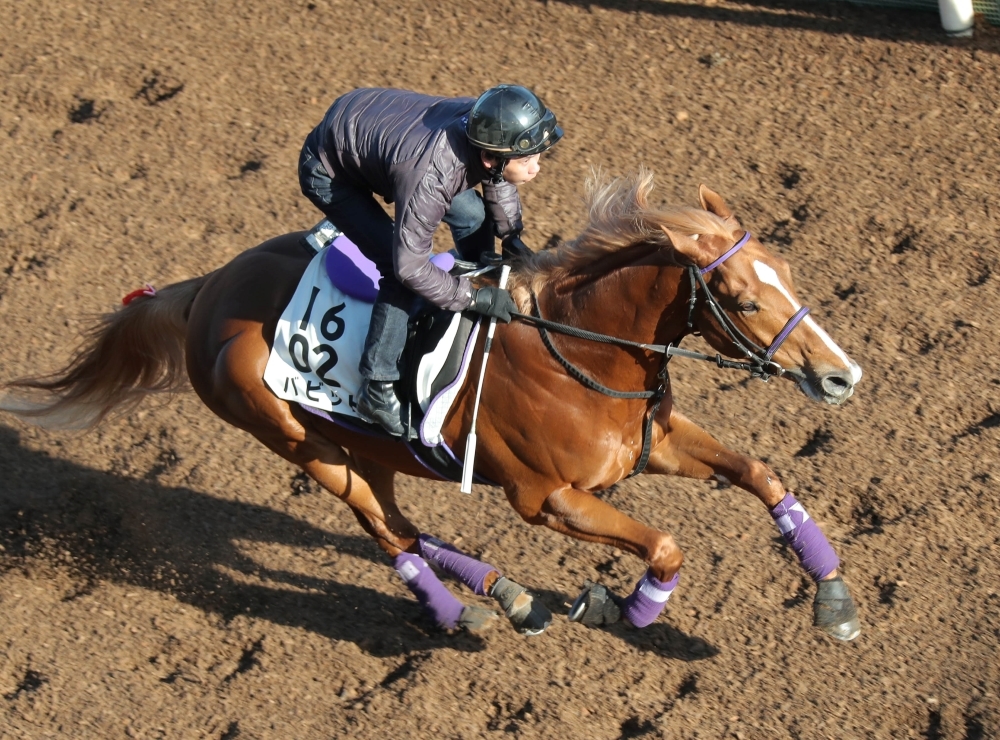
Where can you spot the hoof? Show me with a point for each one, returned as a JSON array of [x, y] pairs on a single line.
[[834, 612], [528, 615], [477, 619], [595, 606]]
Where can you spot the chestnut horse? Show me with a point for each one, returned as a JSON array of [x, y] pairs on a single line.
[[576, 394]]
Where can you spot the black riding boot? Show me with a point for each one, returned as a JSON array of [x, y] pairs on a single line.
[[377, 403]]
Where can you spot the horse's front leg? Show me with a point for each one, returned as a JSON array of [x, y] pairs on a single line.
[[579, 514], [688, 450]]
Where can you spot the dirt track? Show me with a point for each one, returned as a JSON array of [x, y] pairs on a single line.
[[164, 576]]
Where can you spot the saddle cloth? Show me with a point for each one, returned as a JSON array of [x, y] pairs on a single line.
[[321, 334]]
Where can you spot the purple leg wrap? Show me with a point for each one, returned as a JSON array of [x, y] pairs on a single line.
[[430, 592], [453, 561], [802, 533], [645, 603]]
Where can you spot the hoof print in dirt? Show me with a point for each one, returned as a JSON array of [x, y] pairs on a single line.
[[819, 441], [791, 176], [251, 165], [248, 660], [85, 111], [31, 682], [905, 240], [157, 88]]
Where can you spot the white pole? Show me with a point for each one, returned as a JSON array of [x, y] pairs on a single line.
[[956, 17], [470, 442]]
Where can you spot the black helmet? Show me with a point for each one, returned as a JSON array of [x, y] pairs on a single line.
[[511, 121]]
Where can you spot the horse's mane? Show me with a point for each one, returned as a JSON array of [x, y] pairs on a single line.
[[619, 217]]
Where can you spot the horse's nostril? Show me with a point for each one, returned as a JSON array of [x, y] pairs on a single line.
[[837, 384]]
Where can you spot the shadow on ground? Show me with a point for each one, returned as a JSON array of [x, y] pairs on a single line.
[[103, 527]]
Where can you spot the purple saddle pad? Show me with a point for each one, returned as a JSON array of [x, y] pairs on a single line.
[[356, 275]]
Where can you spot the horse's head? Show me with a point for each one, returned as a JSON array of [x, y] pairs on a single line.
[[752, 310]]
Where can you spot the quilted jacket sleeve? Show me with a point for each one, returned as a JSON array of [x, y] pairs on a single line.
[[504, 205], [422, 201]]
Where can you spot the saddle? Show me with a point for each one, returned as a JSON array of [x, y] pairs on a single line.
[[321, 334]]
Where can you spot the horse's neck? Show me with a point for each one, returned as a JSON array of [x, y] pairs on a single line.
[[640, 301]]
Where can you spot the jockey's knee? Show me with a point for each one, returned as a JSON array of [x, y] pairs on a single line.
[[466, 214]]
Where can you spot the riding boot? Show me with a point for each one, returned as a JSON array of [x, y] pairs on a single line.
[[377, 403]]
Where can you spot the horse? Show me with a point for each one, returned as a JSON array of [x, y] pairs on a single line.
[[576, 396]]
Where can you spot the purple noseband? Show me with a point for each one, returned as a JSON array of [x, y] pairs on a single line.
[[789, 325], [783, 334]]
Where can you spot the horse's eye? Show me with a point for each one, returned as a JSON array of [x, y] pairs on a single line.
[[749, 307]]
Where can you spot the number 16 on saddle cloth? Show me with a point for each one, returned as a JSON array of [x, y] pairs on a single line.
[[318, 344]]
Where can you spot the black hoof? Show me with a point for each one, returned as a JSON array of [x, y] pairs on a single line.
[[595, 606], [528, 615], [834, 612]]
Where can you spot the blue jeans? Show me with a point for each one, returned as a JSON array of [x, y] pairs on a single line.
[[356, 212]]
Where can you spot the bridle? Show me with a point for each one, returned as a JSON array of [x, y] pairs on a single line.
[[759, 360]]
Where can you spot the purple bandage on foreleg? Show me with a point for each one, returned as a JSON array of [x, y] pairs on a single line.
[[645, 603], [804, 536], [444, 608], [453, 561]]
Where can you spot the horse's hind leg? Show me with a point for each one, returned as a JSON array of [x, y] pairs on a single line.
[[689, 451], [226, 356], [404, 548], [528, 616], [293, 435], [369, 494]]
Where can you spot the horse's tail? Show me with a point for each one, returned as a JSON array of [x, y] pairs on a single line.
[[125, 356]]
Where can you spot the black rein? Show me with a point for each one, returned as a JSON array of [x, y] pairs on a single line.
[[758, 365]]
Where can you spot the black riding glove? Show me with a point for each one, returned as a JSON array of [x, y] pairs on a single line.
[[496, 303]]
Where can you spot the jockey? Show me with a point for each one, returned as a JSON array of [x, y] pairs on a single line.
[[425, 154]]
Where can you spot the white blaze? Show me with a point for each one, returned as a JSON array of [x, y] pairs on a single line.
[[766, 274]]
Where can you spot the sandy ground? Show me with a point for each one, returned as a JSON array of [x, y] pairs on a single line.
[[165, 576]]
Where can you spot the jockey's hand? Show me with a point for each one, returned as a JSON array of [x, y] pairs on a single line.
[[512, 246], [496, 303]]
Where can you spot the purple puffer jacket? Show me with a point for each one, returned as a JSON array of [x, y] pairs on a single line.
[[411, 149]]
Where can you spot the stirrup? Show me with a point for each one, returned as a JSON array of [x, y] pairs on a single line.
[[461, 266]]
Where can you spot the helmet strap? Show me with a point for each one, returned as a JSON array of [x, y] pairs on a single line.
[[496, 172]]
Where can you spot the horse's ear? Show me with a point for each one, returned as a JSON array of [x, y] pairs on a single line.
[[695, 252], [712, 202]]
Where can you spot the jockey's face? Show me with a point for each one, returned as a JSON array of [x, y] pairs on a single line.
[[517, 171], [521, 170]]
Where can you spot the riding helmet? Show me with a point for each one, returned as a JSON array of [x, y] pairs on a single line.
[[511, 121]]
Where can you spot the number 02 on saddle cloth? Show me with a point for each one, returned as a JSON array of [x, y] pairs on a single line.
[[321, 334]]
